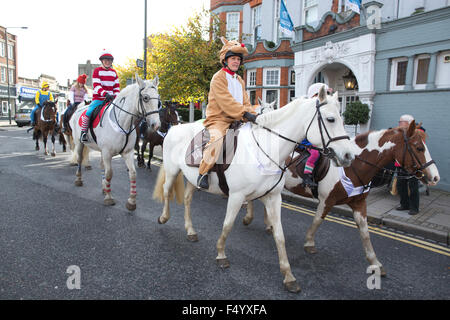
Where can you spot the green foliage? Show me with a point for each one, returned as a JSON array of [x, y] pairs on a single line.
[[356, 113], [184, 114], [183, 59]]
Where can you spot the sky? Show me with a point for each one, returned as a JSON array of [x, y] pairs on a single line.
[[62, 34]]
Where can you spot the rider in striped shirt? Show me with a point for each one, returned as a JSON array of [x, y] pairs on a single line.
[[106, 87]]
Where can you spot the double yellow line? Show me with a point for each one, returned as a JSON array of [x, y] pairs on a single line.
[[385, 233]]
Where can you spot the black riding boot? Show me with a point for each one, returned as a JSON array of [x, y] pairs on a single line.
[[308, 180], [202, 182]]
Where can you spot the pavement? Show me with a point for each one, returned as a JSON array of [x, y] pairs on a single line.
[[432, 222]]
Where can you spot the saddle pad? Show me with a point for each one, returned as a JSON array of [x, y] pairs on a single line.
[[320, 170], [96, 119], [194, 153]]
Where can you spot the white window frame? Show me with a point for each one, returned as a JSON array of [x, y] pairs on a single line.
[[264, 93], [3, 74], [306, 8], [442, 79], [11, 76], [256, 98], [10, 52], [265, 71], [249, 78], [2, 49], [276, 22], [5, 107], [394, 69], [416, 66], [256, 23], [231, 33]]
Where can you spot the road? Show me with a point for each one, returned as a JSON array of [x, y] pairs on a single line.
[[49, 227]]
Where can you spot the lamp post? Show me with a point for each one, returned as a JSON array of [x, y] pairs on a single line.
[[7, 69], [145, 42]]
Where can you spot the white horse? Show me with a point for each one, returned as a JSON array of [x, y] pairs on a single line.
[[73, 155], [378, 149], [116, 133], [245, 180]]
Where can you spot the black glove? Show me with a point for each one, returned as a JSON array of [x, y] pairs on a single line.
[[250, 116], [109, 97]]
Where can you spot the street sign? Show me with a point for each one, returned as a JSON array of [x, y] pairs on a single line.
[[139, 63]]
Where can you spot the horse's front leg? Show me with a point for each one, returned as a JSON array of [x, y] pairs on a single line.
[[79, 152], [234, 204], [106, 183], [53, 145], [273, 206], [188, 193], [360, 216], [249, 215], [321, 212], [141, 161], [44, 138], [150, 155], [129, 160]]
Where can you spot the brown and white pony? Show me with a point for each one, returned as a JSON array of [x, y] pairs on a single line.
[[378, 148], [45, 123]]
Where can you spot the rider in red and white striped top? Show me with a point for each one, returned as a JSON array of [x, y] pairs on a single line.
[[106, 87]]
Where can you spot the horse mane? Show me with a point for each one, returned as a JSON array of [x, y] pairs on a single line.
[[280, 114]]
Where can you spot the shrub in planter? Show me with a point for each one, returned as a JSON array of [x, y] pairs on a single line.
[[356, 113]]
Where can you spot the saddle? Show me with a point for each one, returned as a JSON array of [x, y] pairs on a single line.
[[194, 153], [95, 118], [298, 166]]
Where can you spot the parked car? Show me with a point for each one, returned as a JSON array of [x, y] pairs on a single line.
[[22, 116]]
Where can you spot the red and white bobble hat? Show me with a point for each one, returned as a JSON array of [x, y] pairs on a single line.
[[106, 55]]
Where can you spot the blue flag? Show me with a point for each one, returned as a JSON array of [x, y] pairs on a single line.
[[354, 5], [286, 24]]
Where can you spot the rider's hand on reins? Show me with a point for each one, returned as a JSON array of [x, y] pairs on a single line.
[[250, 117]]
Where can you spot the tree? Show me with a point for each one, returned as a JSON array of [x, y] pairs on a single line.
[[356, 113], [183, 59]]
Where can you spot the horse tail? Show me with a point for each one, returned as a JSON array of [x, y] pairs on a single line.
[[176, 190]]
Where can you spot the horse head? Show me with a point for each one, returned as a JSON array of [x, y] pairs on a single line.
[[168, 116], [49, 110], [326, 129], [413, 155], [265, 107], [148, 91]]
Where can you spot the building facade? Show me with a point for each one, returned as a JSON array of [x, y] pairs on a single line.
[[394, 56], [8, 73], [87, 69]]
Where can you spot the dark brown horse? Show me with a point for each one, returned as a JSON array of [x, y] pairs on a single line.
[[350, 185], [168, 117], [45, 124]]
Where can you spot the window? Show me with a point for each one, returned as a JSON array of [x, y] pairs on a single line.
[[233, 25], [271, 96], [3, 74], [291, 95], [292, 77], [398, 73], [251, 78], [10, 52], [311, 12], [256, 23], [252, 97], [276, 23], [2, 49], [421, 71], [4, 107], [271, 77], [319, 78], [11, 76]]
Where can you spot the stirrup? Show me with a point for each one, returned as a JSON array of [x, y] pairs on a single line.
[[202, 182]]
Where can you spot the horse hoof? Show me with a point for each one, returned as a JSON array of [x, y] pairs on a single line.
[[192, 237], [53, 154], [246, 221], [109, 202], [223, 263], [130, 207], [383, 272], [292, 286], [160, 221], [37, 148], [310, 249], [88, 167], [269, 230], [78, 183]]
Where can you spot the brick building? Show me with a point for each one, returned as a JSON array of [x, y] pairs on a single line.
[[8, 47]]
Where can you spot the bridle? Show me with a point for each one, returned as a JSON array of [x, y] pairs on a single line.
[[42, 113], [325, 150], [418, 167], [141, 115]]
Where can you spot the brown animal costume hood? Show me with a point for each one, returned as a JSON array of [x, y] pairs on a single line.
[[233, 46]]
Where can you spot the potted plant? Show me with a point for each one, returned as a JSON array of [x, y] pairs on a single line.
[[356, 113]]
